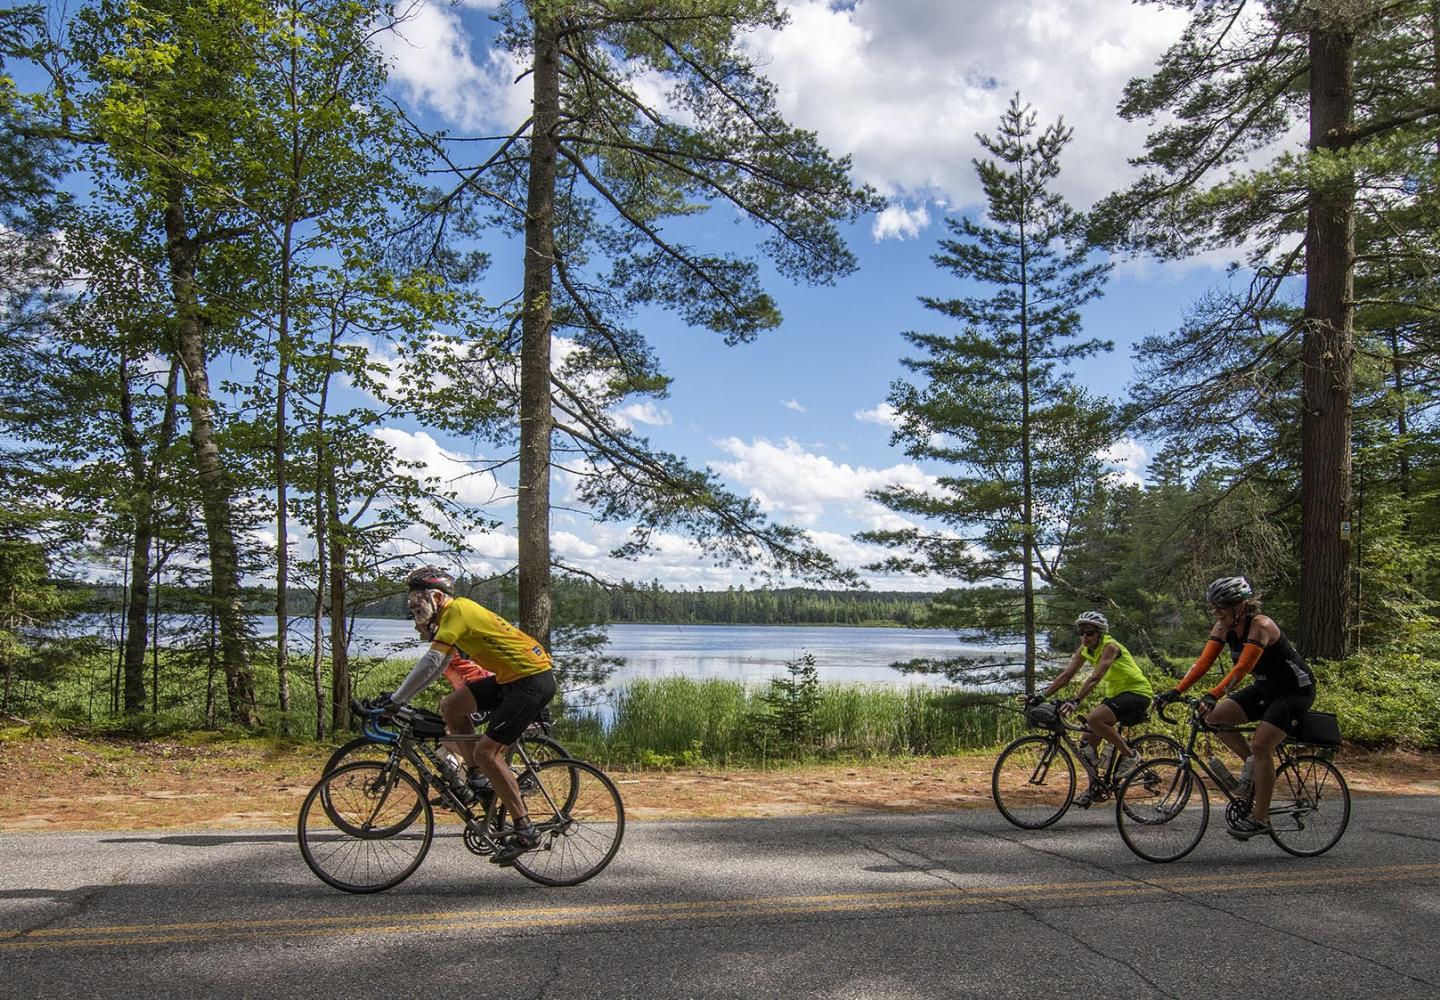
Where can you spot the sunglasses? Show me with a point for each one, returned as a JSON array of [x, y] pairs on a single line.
[[1088, 631]]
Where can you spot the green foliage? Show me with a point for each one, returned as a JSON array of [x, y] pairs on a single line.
[[679, 721], [785, 723], [993, 402], [1387, 696]]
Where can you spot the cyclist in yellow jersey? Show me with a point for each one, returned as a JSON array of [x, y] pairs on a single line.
[[522, 685], [1125, 692]]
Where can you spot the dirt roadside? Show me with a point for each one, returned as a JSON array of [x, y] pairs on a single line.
[[66, 784]]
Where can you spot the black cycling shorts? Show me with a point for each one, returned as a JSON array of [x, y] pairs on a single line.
[[1130, 708], [512, 706], [1285, 709]]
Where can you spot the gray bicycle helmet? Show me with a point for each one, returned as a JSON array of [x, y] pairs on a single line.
[[1094, 618], [431, 578], [1228, 590]]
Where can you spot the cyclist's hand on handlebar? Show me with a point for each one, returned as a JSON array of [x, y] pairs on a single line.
[[1205, 706], [1067, 707], [1031, 700], [382, 703], [1167, 697]]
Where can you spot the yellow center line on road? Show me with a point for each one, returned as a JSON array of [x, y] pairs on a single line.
[[605, 914]]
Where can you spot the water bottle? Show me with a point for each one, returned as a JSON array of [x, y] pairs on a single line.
[[1221, 773], [1105, 758]]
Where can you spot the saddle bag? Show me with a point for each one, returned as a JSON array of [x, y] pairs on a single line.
[[1319, 729]]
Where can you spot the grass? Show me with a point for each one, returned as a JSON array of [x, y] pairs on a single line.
[[679, 721]]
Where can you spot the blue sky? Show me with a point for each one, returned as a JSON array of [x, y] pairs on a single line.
[[901, 86], [795, 419]]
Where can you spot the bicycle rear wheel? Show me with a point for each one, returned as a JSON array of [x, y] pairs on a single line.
[[1311, 806], [581, 820], [363, 749], [370, 848], [1033, 782], [1162, 809]]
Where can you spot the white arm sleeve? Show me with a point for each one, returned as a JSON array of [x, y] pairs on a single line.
[[429, 667]]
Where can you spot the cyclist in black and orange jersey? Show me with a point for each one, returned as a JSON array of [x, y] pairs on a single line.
[[520, 688], [1282, 692]]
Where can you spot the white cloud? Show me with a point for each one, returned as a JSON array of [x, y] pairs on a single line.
[[903, 85], [471, 481], [432, 58], [1128, 458], [642, 413], [789, 481], [792, 404], [885, 415], [895, 222]]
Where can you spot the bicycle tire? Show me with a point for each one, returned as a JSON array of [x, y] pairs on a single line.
[[581, 825], [1021, 782], [1302, 784], [1151, 746], [1156, 810], [361, 793]]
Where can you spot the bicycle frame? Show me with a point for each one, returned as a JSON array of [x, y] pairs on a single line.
[[1284, 754], [1060, 731], [418, 754]]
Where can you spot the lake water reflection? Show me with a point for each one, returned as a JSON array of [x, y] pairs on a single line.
[[730, 652]]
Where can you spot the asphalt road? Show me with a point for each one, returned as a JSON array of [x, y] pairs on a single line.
[[941, 905]]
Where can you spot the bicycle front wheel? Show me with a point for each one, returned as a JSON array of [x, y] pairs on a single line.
[[1162, 809], [1311, 807], [1033, 782], [353, 830], [581, 820]]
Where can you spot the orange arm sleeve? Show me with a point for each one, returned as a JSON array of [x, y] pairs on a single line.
[[1249, 656], [1202, 665]]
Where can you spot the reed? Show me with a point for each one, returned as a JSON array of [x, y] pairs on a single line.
[[680, 720]]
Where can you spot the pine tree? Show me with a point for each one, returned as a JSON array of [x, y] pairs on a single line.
[[591, 179], [995, 405]]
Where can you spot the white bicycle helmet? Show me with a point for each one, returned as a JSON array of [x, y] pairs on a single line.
[[1094, 618], [1228, 590]]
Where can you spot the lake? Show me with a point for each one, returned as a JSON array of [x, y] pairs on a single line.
[[731, 652]]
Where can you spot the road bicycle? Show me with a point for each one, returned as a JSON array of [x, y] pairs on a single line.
[[1163, 808], [1033, 783], [367, 825]]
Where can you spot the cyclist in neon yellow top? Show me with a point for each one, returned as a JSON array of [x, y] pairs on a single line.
[[1125, 693], [522, 685]]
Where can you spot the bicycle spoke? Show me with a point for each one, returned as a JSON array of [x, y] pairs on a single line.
[[353, 827], [1162, 809], [1033, 782], [1311, 806], [581, 820]]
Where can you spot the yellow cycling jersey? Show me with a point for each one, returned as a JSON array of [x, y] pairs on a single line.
[[1124, 674], [483, 636]]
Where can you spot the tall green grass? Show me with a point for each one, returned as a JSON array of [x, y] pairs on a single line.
[[679, 720]]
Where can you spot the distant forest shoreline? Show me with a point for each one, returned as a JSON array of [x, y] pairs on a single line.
[[625, 604]]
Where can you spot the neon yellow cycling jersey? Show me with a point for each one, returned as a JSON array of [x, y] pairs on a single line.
[[1124, 673], [490, 641]]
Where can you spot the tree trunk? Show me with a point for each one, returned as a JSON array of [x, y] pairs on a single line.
[[214, 485], [322, 539], [339, 645], [533, 507], [1328, 357], [282, 349], [137, 602], [146, 479]]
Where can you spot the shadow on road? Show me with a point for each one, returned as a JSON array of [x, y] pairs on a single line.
[[224, 839]]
